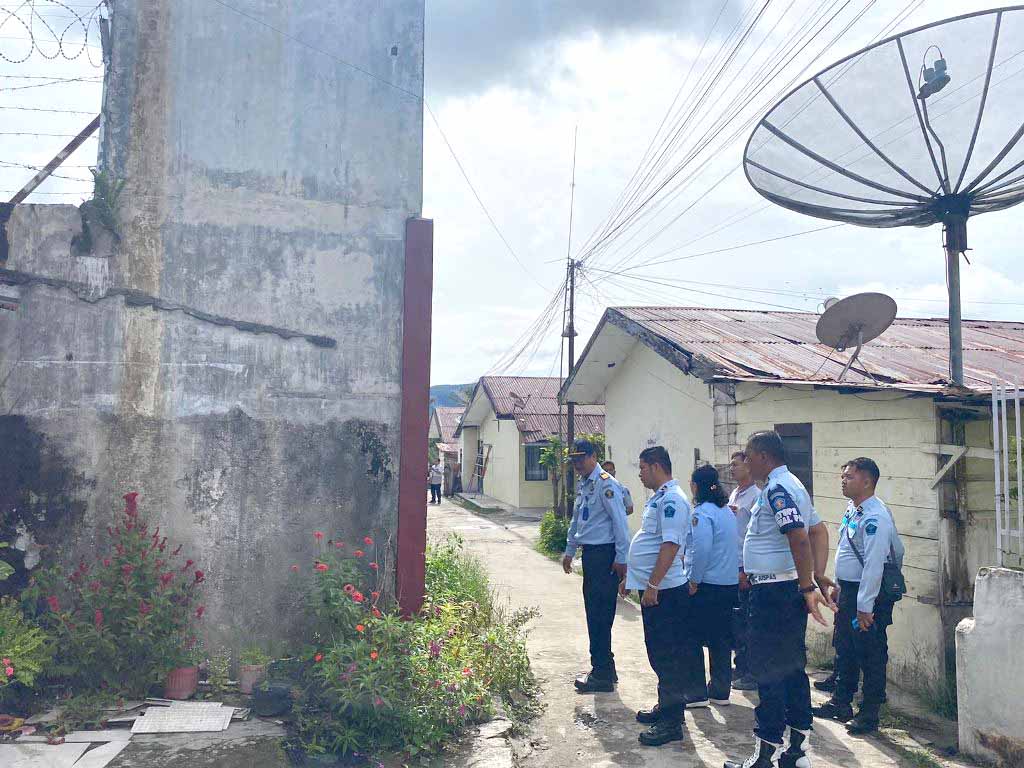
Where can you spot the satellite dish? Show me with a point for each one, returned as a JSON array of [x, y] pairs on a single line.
[[517, 401], [855, 320], [921, 128]]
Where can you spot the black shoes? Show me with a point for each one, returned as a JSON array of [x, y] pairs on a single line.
[[592, 683], [798, 753], [828, 685], [648, 716], [744, 683], [830, 710], [662, 732], [719, 698], [762, 757], [862, 724]]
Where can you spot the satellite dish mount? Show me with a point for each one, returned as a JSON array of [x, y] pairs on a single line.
[[855, 320]]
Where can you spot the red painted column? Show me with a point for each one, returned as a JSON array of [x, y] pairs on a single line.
[[412, 490]]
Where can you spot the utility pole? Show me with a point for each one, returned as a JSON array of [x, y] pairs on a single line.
[[570, 331]]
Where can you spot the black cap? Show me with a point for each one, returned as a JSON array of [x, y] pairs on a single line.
[[582, 448]]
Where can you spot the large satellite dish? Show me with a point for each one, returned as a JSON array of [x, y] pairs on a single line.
[[854, 321], [922, 128]]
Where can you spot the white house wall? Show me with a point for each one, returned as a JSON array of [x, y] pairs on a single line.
[[501, 480], [651, 402], [890, 429]]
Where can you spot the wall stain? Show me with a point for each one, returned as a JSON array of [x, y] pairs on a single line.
[[372, 446]]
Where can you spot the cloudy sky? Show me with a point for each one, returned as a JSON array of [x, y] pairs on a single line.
[[510, 83]]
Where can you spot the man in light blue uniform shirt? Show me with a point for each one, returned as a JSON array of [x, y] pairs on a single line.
[[656, 571], [599, 526], [867, 541], [781, 556], [711, 567]]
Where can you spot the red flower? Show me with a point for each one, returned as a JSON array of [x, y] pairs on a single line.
[[467, 672], [131, 503], [166, 578], [200, 611], [295, 569], [378, 702], [368, 541], [106, 562], [144, 607], [360, 628], [359, 553], [318, 535], [94, 586], [349, 589], [374, 655], [200, 576], [322, 567], [53, 602], [358, 597], [376, 613], [9, 671], [7, 662], [188, 564], [375, 595], [374, 566], [339, 545], [127, 569], [98, 619], [319, 657]]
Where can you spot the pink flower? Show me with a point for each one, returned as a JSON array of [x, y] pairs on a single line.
[[368, 541], [376, 613], [349, 589], [462, 710], [378, 702], [374, 655], [339, 545], [166, 578], [200, 611], [318, 535], [127, 569], [9, 671], [7, 662], [319, 657], [200, 576], [374, 566], [295, 569], [131, 503], [98, 619], [375, 595], [358, 597], [359, 553], [94, 586], [144, 607], [321, 567], [467, 672], [106, 562], [53, 602]]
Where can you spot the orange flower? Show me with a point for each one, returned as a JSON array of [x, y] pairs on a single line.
[[359, 553], [360, 628], [374, 655]]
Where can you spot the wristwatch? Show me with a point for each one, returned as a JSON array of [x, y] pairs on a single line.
[[655, 587], [813, 587]]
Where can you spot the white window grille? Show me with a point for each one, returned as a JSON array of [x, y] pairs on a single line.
[[1008, 497]]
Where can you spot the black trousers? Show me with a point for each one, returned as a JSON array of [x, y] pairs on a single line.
[[778, 656], [673, 650], [600, 596], [435, 493], [861, 652], [713, 607], [740, 631]]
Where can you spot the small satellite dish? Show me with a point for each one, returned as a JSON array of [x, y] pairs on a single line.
[[855, 320], [517, 401]]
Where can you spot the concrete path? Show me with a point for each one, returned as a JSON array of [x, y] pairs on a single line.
[[600, 730]]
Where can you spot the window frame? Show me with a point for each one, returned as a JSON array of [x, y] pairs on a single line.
[[541, 471], [802, 431]]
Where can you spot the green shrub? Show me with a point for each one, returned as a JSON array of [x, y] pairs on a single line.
[[124, 622], [553, 532], [25, 650], [379, 682], [253, 656]]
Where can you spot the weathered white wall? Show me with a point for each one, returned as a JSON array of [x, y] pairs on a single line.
[[980, 495], [532, 493], [651, 402], [468, 438], [990, 669], [889, 428], [502, 479]]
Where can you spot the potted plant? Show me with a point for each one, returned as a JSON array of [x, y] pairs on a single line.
[[182, 680], [252, 667]]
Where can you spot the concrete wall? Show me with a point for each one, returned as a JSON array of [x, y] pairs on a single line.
[[468, 439], [651, 402], [236, 356], [891, 429], [532, 493], [503, 469], [990, 669]]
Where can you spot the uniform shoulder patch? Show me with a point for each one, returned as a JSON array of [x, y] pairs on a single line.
[[871, 527], [670, 510], [780, 499], [605, 475], [608, 493]]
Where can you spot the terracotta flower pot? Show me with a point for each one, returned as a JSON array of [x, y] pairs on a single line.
[[249, 675], [181, 683]]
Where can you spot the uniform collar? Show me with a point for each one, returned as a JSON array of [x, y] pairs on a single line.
[[595, 474], [860, 507], [776, 473], [673, 483]]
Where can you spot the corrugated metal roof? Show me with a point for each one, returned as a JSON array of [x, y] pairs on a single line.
[[448, 419], [538, 395], [537, 427], [763, 346]]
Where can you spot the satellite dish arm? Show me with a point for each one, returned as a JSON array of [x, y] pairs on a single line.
[[860, 343]]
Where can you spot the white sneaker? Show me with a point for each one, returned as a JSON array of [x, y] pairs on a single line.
[[698, 703]]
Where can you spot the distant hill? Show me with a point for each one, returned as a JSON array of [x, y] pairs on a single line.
[[447, 395]]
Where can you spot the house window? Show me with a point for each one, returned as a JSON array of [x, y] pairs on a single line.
[[799, 452], [534, 469]]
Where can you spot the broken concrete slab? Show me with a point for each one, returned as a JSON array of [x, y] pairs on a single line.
[[78, 737], [40, 755], [101, 756], [246, 744]]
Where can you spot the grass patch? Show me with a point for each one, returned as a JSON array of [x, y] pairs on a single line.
[[820, 653], [919, 758], [890, 718], [553, 532], [939, 697]]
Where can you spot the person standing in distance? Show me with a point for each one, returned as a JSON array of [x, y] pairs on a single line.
[[435, 478], [627, 497], [656, 571], [711, 568], [779, 557], [599, 526], [741, 500], [867, 541]]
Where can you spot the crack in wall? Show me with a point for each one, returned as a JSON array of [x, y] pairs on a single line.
[[136, 298]]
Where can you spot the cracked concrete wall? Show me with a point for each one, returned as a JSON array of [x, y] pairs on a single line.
[[236, 355]]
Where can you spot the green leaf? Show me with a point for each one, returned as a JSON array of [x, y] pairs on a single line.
[[6, 569]]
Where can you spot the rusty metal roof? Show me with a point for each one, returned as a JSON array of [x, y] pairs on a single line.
[[447, 420], [539, 395], [538, 427], [757, 345]]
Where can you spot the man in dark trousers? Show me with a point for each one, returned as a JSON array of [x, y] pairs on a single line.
[[779, 551], [599, 526], [867, 541]]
